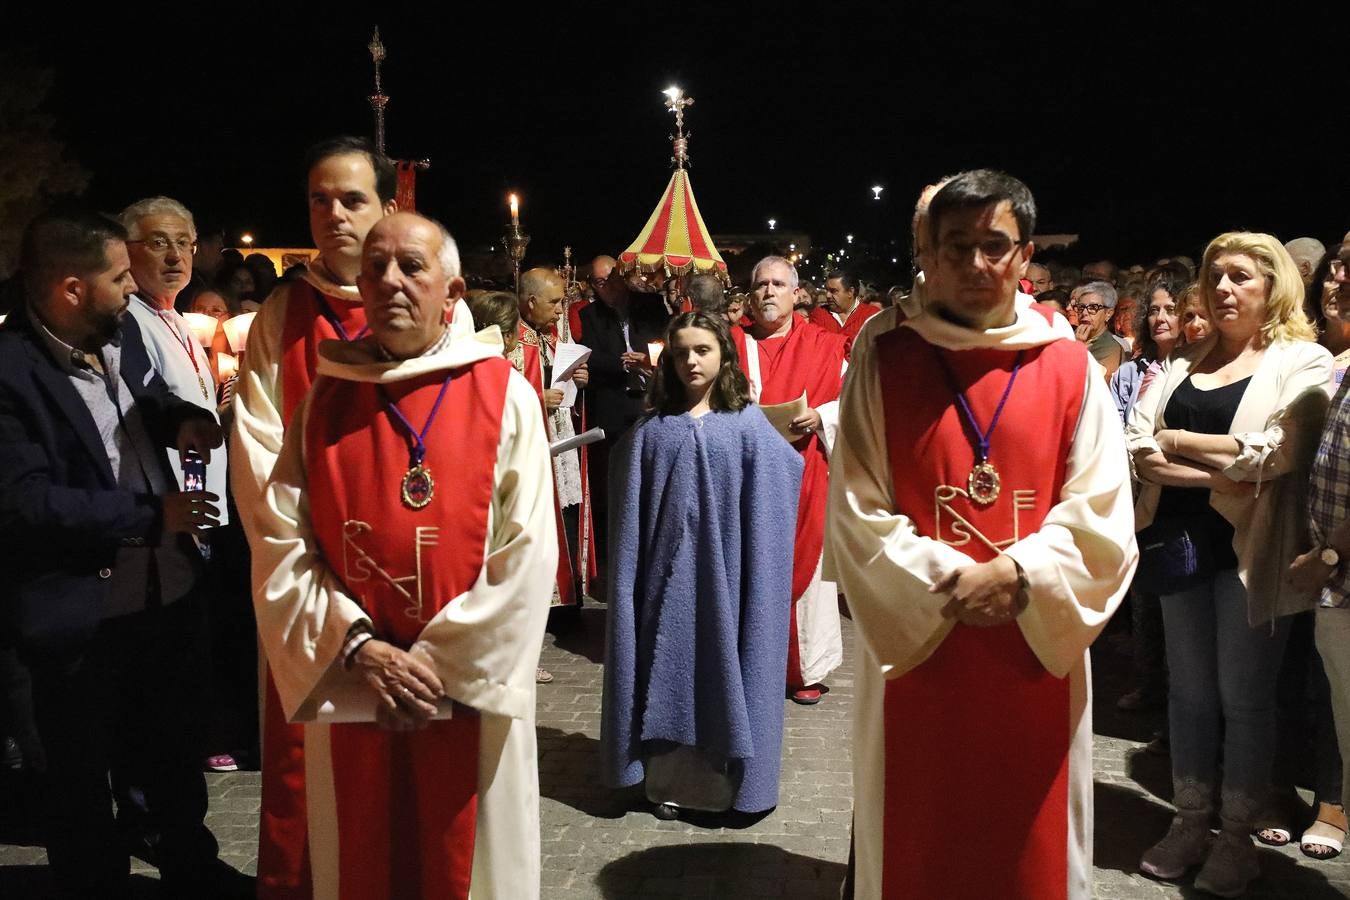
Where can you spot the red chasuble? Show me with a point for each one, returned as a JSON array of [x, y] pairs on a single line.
[[809, 359], [283, 829], [533, 370], [406, 802], [852, 325], [979, 733]]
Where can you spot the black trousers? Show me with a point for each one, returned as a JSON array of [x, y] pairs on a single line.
[[131, 699]]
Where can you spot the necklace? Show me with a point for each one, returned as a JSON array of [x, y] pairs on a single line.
[[187, 348], [417, 487], [983, 482], [327, 312]]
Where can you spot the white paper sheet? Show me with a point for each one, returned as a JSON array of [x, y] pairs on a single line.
[[567, 358], [780, 416]]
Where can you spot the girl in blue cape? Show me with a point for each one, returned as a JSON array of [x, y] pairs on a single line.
[[703, 503]]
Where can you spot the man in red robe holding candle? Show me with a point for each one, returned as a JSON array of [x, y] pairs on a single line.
[[786, 359], [351, 186], [409, 546], [981, 526]]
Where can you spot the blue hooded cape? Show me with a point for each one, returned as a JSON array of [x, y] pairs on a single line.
[[702, 521]]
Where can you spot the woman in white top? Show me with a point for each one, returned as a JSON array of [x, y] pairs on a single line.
[[1223, 443]]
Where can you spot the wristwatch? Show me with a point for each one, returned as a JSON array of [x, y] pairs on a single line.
[[1329, 556]]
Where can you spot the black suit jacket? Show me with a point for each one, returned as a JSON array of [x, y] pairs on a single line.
[[62, 514], [607, 404]]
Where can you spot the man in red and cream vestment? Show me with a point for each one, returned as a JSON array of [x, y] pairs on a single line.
[[785, 358], [541, 304], [980, 525], [843, 312], [408, 534], [350, 188]]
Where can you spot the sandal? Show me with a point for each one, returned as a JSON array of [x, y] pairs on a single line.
[[542, 676], [1324, 838], [1272, 826]]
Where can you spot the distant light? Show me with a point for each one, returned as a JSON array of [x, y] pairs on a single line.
[[876, 191], [894, 260], [673, 92], [772, 223], [792, 246], [246, 239], [849, 238]]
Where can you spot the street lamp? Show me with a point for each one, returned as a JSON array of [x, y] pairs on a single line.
[[246, 239], [772, 223], [876, 191], [849, 238]]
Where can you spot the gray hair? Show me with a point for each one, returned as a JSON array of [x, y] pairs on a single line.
[[771, 260], [154, 206], [449, 252], [1104, 290], [1307, 249]]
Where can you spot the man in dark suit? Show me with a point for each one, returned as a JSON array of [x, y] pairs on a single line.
[[617, 330], [95, 541]]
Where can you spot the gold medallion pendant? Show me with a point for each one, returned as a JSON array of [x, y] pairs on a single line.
[[418, 487], [983, 483]]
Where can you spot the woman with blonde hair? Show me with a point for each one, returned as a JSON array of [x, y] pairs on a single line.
[[1222, 443]]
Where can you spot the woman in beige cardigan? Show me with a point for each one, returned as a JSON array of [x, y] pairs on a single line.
[[1222, 442]]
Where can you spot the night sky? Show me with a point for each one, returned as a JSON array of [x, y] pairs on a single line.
[[1144, 132]]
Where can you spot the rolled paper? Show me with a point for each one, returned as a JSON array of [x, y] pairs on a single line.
[[236, 330], [227, 366], [203, 327], [654, 349]]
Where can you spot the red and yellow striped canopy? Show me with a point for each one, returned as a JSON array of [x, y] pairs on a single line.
[[675, 240]]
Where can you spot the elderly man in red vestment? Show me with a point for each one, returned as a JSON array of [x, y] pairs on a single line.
[[350, 187], [541, 307], [788, 360], [408, 541], [843, 311], [982, 528]]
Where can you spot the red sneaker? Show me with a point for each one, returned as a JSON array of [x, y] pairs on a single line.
[[221, 762], [807, 696]]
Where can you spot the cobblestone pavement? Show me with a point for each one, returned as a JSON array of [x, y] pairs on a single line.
[[600, 845]]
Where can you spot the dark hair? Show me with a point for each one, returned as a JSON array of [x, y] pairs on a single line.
[[386, 176], [1164, 279], [704, 290], [1312, 293], [56, 245], [1054, 295], [847, 279], [495, 308], [979, 188], [730, 391]]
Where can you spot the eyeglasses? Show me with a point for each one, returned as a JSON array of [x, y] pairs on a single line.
[[159, 245], [994, 250], [1090, 308]]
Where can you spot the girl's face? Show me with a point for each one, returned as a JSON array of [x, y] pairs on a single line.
[[697, 359]]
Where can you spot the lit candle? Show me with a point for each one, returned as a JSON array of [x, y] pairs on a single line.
[[203, 327], [654, 349], [226, 366], [236, 330], [515, 210]]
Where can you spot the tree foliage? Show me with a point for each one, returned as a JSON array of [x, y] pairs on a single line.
[[35, 166]]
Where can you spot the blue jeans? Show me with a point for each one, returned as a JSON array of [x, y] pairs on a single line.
[[1223, 677]]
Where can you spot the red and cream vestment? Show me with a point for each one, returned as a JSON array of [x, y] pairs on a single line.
[[849, 325], [956, 726], [275, 374], [461, 583], [811, 361]]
